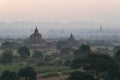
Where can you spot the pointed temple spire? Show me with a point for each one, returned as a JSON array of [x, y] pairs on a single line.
[[71, 38], [36, 30]]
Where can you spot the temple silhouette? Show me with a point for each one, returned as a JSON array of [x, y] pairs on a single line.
[[36, 39]]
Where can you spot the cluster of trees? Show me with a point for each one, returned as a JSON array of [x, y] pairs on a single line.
[[40, 59], [95, 66], [87, 65], [8, 57], [10, 45], [27, 73], [64, 56]]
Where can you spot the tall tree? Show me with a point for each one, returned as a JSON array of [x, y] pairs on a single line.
[[116, 49], [28, 73], [82, 50], [8, 75], [7, 57], [24, 52]]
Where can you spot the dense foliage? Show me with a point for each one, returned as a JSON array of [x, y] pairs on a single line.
[[28, 73], [78, 75], [7, 57], [8, 75], [102, 66], [24, 52], [83, 49]]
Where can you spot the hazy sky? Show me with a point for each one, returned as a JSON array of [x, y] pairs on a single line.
[[107, 11]]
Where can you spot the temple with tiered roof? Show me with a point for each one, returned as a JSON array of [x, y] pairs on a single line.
[[36, 39]]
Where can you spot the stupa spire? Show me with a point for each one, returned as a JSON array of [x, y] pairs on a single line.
[[36, 30]]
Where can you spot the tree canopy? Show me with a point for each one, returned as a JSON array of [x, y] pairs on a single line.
[[78, 75], [28, 73], [7, 57], [10, 45], [117, 56], [100, 65], [24, 52], [8, 75], [83, 49], [116, 49], [37, 54]]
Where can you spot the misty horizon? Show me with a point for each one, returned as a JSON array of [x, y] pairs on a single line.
[[20, 17], [57, 29], [98, 11], [79, 24]]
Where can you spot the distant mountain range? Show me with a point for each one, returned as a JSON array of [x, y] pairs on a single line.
[[24, 29]]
